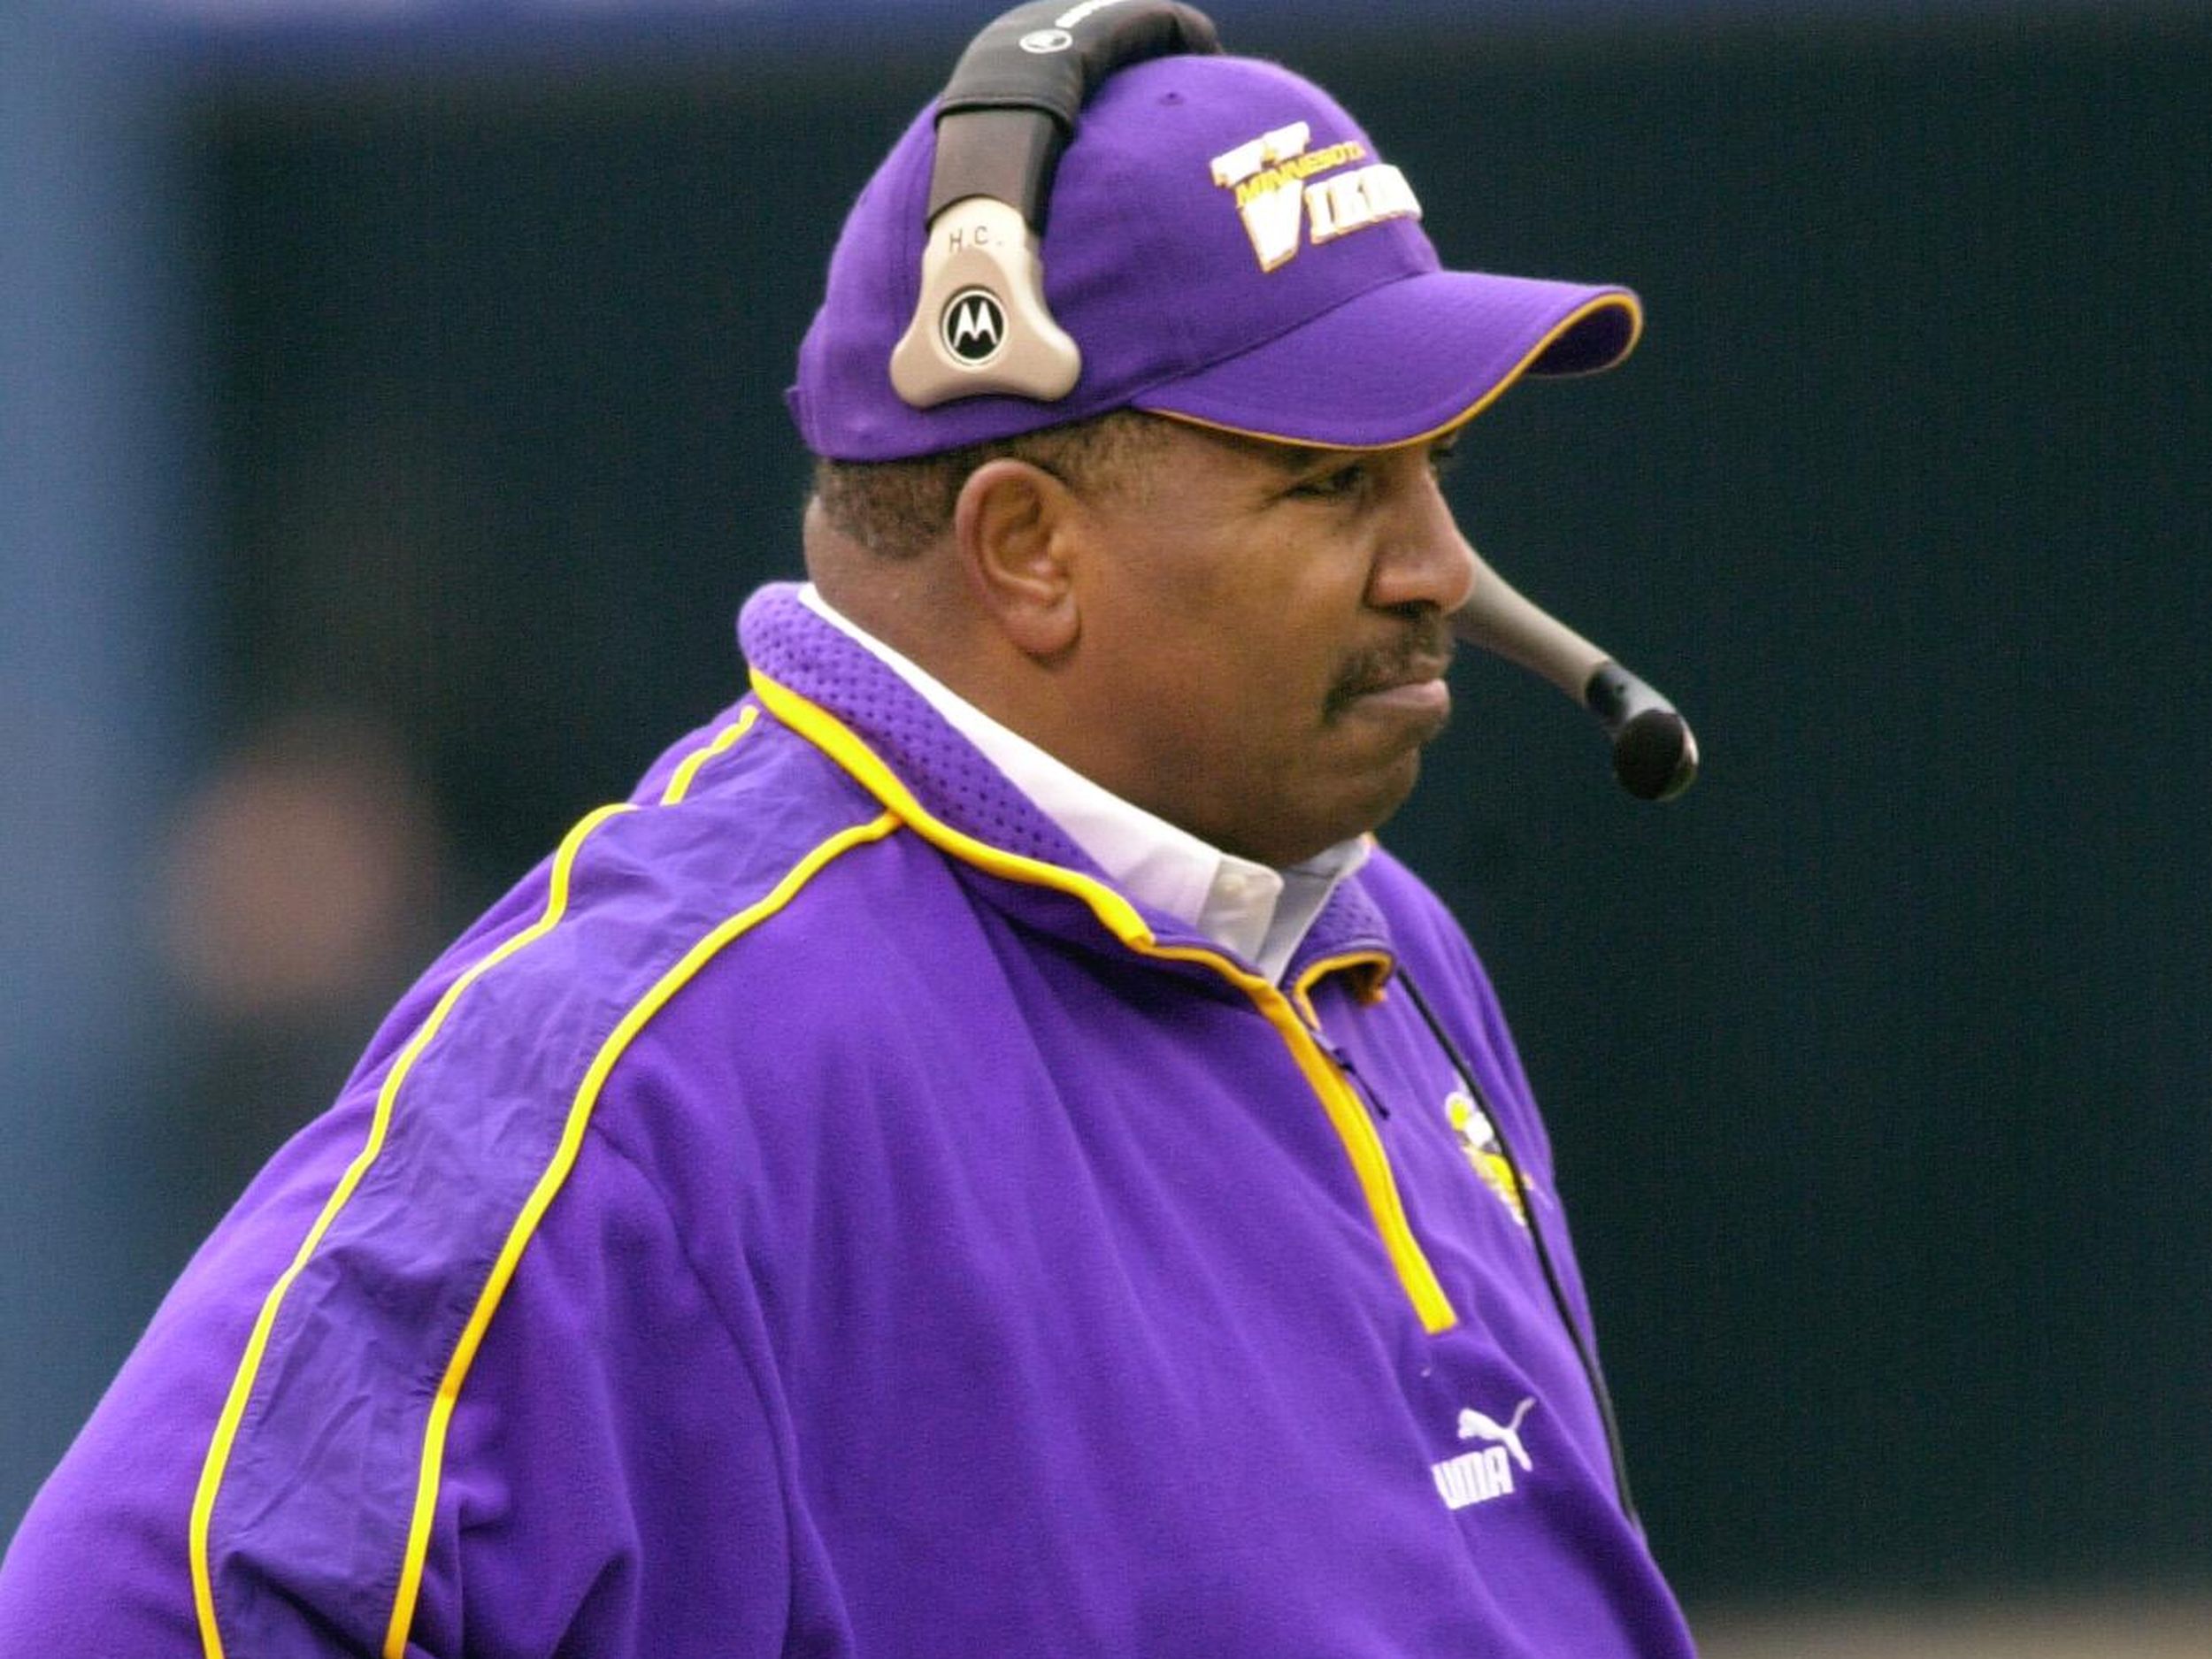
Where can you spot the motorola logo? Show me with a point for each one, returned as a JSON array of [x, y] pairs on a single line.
[[973, 326], [1043, 41]]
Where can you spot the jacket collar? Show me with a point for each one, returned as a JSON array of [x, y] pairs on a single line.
[[800, 654]]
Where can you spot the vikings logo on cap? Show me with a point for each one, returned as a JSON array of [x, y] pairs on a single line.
[[1270, 175]]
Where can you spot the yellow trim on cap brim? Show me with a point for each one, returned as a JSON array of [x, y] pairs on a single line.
[[1621, 300]]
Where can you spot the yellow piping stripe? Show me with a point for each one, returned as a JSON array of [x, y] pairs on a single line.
[[725, 738], [218, 1450], [1370, 1165], [1609, 301], [1317, 971], [1370, 1162], [826, 732], [551, 1183]]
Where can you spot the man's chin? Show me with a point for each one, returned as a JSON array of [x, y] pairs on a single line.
[[1381, 793]]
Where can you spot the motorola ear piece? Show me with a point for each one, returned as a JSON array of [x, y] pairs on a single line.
[[981, 324]]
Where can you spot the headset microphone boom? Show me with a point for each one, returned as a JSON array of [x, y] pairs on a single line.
[[1655, 753]]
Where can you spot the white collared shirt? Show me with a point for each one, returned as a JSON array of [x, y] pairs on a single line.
[[1258, 912]]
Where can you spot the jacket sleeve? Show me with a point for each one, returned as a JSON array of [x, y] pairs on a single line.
[[610, 1480], [615, 1481]]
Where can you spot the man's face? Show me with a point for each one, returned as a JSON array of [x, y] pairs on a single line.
[[1264, 643]]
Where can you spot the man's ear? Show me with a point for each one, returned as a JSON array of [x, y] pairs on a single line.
[[1019, 531]]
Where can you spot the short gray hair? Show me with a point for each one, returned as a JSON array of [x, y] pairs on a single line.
[[897, 508]]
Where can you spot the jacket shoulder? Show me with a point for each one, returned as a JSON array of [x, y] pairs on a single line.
[[466, 1132]]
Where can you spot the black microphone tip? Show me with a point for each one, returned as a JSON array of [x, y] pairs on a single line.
[[1655, 755]]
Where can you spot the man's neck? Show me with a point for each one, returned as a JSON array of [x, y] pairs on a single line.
[[1259, 913]]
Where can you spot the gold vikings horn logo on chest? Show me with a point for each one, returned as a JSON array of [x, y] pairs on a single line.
[[1470, 1127], [1283, 187]]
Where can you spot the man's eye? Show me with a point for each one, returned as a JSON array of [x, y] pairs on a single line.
[[1338, 481], [1443, 459]]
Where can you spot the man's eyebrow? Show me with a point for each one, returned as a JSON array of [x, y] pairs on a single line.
[[1293, 458], [1287, 459]]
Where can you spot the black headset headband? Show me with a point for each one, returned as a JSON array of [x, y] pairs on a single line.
[[981, 324], [1016, 94]]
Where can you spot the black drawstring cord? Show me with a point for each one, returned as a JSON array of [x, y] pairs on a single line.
[[1583, 1351]]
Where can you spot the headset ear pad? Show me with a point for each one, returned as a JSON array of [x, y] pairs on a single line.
[[981, 324]]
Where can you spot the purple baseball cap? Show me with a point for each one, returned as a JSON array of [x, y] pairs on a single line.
[[1225, 246]]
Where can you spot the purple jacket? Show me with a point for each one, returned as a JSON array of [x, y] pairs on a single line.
[[815, 1214]]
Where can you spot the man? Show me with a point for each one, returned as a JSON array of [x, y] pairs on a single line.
[[982, 1154]]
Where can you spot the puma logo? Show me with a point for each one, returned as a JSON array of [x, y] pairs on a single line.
[[1478, 1476], [1477, 1425]]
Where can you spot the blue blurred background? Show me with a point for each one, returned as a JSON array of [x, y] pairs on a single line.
[[390, 424]]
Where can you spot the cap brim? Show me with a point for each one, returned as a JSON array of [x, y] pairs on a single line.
[[1406, 360]]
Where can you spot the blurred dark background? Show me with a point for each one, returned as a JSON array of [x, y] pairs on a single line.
[[451, 352]]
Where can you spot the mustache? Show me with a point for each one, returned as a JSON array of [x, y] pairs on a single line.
[[1421, 652]]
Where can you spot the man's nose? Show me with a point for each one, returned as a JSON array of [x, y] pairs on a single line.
[[1424, 559]]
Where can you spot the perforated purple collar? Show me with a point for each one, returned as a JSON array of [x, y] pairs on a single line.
[[784, 640]]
